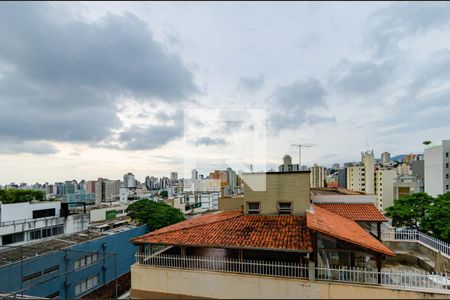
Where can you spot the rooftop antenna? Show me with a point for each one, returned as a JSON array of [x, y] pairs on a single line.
[[300, 146]]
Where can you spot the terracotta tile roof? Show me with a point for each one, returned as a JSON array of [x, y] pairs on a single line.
[[235, 230], [344, 229], [362, 212]]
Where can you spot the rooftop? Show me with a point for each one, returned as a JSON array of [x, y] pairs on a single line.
[[11, 254], [334, 191], [360, 212], [326, 222], [235, 230]]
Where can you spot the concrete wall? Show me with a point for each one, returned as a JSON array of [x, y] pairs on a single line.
[[434, 170], [344, 199], [230, 203], [24, 210], [150, 282], [279, 187]]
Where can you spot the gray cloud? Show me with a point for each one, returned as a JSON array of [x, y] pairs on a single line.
[[208, 141], [14, 146], [291, 104], [251, 84], [61, 76], [139, 138], [391, 24], [361, 78]]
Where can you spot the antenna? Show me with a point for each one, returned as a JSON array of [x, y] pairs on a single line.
[[300, 146]]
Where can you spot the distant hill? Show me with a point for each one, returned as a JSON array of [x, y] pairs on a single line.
[[398, 157]]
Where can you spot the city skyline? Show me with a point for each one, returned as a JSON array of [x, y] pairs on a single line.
[[111, 98]]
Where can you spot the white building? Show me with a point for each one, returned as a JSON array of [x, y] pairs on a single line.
[[193, 203], [129, 181], [385, 158], [437, 162], [23, 222]]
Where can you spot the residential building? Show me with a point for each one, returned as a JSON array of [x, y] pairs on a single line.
[[196, 202], [129, 181], [384, 187], [25, 222], [112, 190], [173, 177], [437, 170], [385, 158], [318, 176], [418, 171], [279, 228], [287, 165], [342, 177], [71, 266], [194, 174], [405, 185], [99, 190], [91, 186]]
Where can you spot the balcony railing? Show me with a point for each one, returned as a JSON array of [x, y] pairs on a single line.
[[408, 280], [218, 264], [58, 220], [396, 234]]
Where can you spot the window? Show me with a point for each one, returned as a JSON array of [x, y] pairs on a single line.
[[31, 276], [446, 187], [12, 238], [51, 269], [284, 208], [446, 165], [446, 154], [35, 234], [86, 261], [446, 176], [86, 284], [253, 208], [42, 213]]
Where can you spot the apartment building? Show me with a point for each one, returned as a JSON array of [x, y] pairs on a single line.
[[278, 233], [437, 169], [318, 176], [384, 187]]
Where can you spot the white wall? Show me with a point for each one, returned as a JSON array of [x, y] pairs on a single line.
[[20, 211], [434, 171]]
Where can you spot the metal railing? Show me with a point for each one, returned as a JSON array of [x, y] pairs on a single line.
[[407, 280], [396, 234], [25, 221], [219, 264]]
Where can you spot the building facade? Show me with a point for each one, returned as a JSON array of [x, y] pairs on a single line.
[[436, 167]]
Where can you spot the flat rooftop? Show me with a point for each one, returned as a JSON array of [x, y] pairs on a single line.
[[12, 254]]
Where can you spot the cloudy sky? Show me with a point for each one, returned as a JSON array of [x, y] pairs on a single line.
[[100, 89]]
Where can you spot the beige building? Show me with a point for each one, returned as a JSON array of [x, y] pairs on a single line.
[[268, 193], [384, 187], [318, 176]]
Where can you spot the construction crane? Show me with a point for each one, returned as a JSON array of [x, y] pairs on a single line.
[[300, 146]]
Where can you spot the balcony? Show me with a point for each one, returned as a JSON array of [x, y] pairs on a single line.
[[413, 281]]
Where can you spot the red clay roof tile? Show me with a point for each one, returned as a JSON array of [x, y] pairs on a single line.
[[235, 230], [332, 224], [362, 212]]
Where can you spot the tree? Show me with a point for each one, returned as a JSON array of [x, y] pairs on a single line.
[[155, 214], [410, 210], [437, 221], [16, 196], [426, 142], [164, 194]]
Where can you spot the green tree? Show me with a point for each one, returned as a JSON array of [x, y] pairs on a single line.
[[164, 194], [410, 210], [15, 196], [437, 220], [155, 214]]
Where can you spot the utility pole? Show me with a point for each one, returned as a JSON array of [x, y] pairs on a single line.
[[300, 146]]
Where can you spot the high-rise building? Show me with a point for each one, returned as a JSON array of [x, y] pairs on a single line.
[[342, 178], [112, 190], [385, 158], [287, 165], [384, 187], [91, 186], [194, 174], [361, 178], [99, 190], [129, 180], [317, 176], [437, 161], [174, 177], [335, 166]]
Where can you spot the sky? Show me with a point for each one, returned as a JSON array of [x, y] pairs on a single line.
[[95, 89]]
